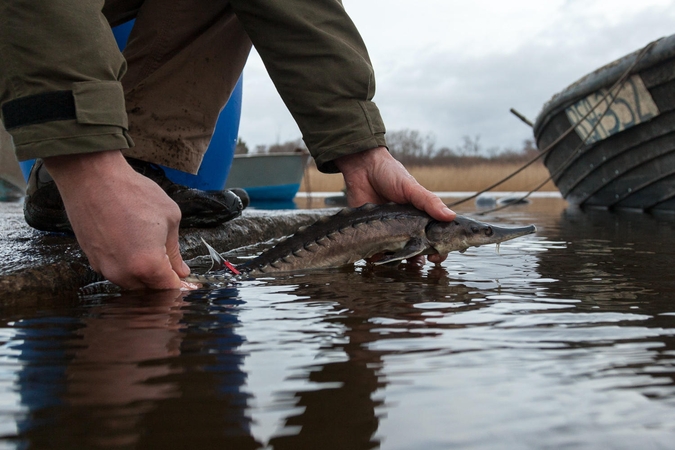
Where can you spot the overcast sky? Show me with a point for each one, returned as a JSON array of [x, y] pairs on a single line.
[[454, 68]]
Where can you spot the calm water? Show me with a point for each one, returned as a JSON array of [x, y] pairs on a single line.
[[565, 339]]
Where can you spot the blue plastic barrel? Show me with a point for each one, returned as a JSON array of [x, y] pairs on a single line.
[[218, 158]]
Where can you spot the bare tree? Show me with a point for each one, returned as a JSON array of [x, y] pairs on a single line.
[[241, 148], [413, 148], [287, 147], [409, 146]]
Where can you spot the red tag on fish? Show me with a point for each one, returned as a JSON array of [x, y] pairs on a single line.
[[231, 268]]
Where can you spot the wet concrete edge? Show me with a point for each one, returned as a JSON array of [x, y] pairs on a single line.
[[36, 266]]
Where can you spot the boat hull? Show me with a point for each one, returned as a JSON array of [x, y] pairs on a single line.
[[627, 161], [270, 177]]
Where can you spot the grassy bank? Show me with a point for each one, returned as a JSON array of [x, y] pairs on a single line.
[[473, 177]]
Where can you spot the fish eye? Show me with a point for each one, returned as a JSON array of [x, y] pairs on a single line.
[[475, 229]]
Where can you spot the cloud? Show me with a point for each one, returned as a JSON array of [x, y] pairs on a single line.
[[429, 83]]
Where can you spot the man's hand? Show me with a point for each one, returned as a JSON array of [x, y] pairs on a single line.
[[124, 222], [374, 176]]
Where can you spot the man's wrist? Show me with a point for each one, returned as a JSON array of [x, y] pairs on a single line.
[[347, 163], [72, 169]]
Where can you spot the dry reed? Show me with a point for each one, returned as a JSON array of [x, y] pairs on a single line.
[[469, 178]]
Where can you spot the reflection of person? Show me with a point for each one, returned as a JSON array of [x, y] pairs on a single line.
[[65, 100], [136, 371]]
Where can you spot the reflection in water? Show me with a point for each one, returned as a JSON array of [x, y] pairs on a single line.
[[344, 413], [136, 370], [563, 340]]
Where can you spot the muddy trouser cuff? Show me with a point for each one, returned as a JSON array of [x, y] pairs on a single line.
[[89, 117], [182, 69]]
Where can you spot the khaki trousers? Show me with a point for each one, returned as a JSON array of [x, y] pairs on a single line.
[[66, 89]]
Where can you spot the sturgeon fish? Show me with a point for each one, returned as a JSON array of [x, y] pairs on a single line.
[[397, 232]]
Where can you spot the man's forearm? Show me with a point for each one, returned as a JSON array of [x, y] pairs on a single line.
[[73, 171]]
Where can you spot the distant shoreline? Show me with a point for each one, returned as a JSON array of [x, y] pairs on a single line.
[[464, 178]]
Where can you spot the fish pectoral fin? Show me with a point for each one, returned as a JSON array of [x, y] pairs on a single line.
[[218, 261], [414, 247]]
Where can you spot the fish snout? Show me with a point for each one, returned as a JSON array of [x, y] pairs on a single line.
[[464, 232], [501, 234]]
